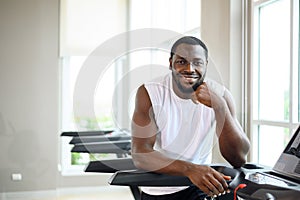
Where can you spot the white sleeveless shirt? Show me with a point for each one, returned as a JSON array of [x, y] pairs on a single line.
[[185, 129]]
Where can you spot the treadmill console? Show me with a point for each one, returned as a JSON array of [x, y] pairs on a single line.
[[265, 179]]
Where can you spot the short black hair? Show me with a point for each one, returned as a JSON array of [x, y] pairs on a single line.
[[189, 40]]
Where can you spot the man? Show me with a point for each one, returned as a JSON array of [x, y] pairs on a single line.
[[174, 120]]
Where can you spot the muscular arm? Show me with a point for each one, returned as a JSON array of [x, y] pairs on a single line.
[[233, 142], [144, 156]]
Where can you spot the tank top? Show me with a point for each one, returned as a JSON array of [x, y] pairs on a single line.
[[185, 129]]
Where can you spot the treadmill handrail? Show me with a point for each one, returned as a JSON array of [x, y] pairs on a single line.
[[103, 147], [143, 178], [98, 138], [137, 177], [110, 166], [85, 133]]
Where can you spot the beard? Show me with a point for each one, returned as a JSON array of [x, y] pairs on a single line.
[[187, 88]]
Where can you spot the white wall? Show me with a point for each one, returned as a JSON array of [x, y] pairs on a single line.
[[221, 23], [29, 93], [222, 31]]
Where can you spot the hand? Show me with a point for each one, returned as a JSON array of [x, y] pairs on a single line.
[[207, 96], [209, 180], [202, 95]]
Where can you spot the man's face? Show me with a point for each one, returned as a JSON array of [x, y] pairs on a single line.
[[188, 66]]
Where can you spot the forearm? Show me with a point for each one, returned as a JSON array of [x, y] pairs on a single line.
[[233, 142], [157, 162], [204, 177]]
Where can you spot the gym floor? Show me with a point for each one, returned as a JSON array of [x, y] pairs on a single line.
[[94, 193]]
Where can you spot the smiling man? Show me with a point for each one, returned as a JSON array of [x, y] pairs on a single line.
[[175, 119]]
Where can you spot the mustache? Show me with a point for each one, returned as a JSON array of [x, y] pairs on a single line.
[[192, 74]]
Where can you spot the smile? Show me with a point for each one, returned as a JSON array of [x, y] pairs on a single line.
[[191, 76]]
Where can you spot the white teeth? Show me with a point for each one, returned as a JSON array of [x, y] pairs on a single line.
[[191, 77]]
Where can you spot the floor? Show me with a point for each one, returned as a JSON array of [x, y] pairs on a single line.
[[107, 193], [90, 193]]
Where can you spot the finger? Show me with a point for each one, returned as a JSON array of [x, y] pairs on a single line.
[[221, 183], [207, 191], [203, 90], [219, 186], [228, 178], [212, 188], [194, 98], [203, 94], [204, 98]]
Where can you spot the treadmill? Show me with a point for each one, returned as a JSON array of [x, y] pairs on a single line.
[[282, 182]]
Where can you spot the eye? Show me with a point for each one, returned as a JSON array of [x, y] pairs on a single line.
[[198, 63], [180, 61]]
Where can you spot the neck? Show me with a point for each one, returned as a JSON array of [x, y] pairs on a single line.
[[179, 93]]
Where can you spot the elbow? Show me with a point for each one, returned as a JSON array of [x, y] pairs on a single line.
[[238, 162], [240, 159], [142, 154], [237, 155], [144, 160], [138, 163], [139, 159], [237, 159]]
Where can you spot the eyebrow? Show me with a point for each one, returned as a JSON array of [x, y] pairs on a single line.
[[186, 59]]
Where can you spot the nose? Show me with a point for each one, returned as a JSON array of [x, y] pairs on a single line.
[[190, 66]]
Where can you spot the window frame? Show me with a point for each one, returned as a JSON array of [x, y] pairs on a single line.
[[291, 124]]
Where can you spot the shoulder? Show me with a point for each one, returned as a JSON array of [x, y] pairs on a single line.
[[216, 87], [142, 95], [222, 91], [158, 82], [159, 88]]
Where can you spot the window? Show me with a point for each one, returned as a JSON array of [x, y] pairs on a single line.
[[275, 79], [85, 26]]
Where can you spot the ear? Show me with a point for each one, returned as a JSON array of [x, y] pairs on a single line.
[[170, 63]]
